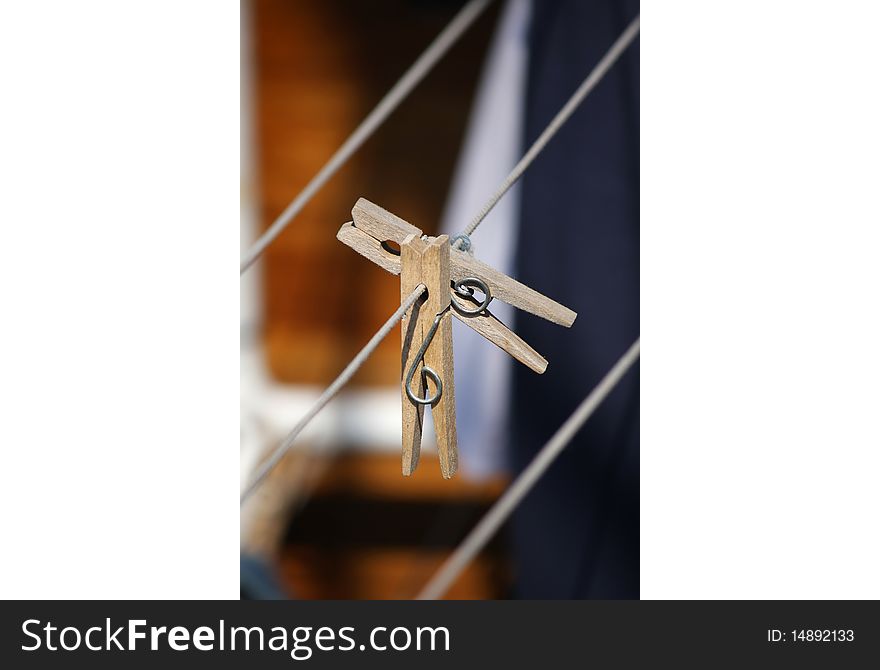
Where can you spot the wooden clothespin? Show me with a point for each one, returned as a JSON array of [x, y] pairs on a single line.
[[450, 277]]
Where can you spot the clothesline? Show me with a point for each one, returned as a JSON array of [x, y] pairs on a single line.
[[331, 391], [620, 44], [503, 508]]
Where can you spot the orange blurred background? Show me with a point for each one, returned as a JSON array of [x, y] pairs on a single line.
[[337, 519]]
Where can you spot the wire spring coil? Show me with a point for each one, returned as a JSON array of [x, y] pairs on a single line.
[[463, 288]]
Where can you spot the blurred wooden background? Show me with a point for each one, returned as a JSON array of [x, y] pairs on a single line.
[[319, 68]]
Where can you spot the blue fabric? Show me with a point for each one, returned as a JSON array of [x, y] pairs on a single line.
[[577, 534], [258, 580]]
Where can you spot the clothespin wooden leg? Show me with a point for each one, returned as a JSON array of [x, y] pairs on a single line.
[[411, 339], [428, 263], [436, 274]]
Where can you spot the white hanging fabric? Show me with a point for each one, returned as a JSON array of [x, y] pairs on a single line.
[[492, 146]]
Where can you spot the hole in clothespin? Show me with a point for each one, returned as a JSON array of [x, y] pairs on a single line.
[[391, 247]]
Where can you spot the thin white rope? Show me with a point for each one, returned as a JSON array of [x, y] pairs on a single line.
[[602, 67], [410, 79], [331, 391], [489, 524]]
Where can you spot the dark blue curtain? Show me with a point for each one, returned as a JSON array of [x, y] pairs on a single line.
[[577, 534]]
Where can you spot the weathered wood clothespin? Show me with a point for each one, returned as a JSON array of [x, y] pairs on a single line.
[[451, 277]]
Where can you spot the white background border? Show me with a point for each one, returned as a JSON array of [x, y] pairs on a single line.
[[119, 369], [760, 309]]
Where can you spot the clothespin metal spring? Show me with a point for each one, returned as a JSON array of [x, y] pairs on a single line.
[[426, 371], [465, 288]]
